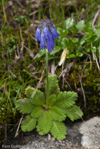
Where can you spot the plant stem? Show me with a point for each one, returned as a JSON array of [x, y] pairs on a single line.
[[47, 85], [5, 18]]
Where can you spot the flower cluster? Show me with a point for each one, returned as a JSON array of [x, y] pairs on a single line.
[[46, 34]]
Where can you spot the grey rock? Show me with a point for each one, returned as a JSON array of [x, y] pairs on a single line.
[[90, 131]]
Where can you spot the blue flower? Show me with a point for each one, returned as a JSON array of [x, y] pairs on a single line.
[[46, 34]]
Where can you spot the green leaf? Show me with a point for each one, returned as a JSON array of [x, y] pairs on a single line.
[[66, 99], [71, 56], [52, 99], [39, 130], [41, 53], [80, 25], [24, 105], [56, 50], [21, 19], [74, 30], [29, 91], [38, 98], [88, 26], [53, 85], [74, 40], [79, 54], [57, 113], [94, 49], [28, 124], [82, 41], [74, 113], [58, 130], [50, 57], [88, 36], [87, 49], [69, 23], [65, 42], [45, 122], [37, 112], [59, 30], [97, 32]]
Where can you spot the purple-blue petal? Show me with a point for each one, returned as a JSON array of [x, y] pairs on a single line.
[[50, 43], [47, 33], [53, 26], [50, 38], [43, 41], [54, 33], [38, 35]]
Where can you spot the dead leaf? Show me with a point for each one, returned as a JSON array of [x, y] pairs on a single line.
[[63, 57]]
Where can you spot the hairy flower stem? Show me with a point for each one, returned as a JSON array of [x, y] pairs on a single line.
[[47, 85]]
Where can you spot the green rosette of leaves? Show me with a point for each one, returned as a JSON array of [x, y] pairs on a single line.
[[48, 116]]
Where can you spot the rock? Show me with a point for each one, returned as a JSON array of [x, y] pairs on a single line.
[[90, 131]]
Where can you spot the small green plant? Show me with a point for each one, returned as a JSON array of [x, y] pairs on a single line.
[[21, 19], [46, 112], [48, 116]]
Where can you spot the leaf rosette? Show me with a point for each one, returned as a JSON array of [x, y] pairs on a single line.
[[48, 117]]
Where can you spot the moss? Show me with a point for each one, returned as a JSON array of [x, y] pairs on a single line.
[[91, 86]]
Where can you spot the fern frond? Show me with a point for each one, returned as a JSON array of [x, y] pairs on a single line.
[[24, 105], [58, 130], [53, 85], [45, 122], [37, 112], [66, 99], [28, 124], [57, 113], [74, 112]]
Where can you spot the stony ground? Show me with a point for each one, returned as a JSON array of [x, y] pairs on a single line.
[[73, 139], [84, 135], [80, 135]]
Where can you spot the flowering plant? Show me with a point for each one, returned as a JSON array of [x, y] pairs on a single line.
[[47, 114]]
